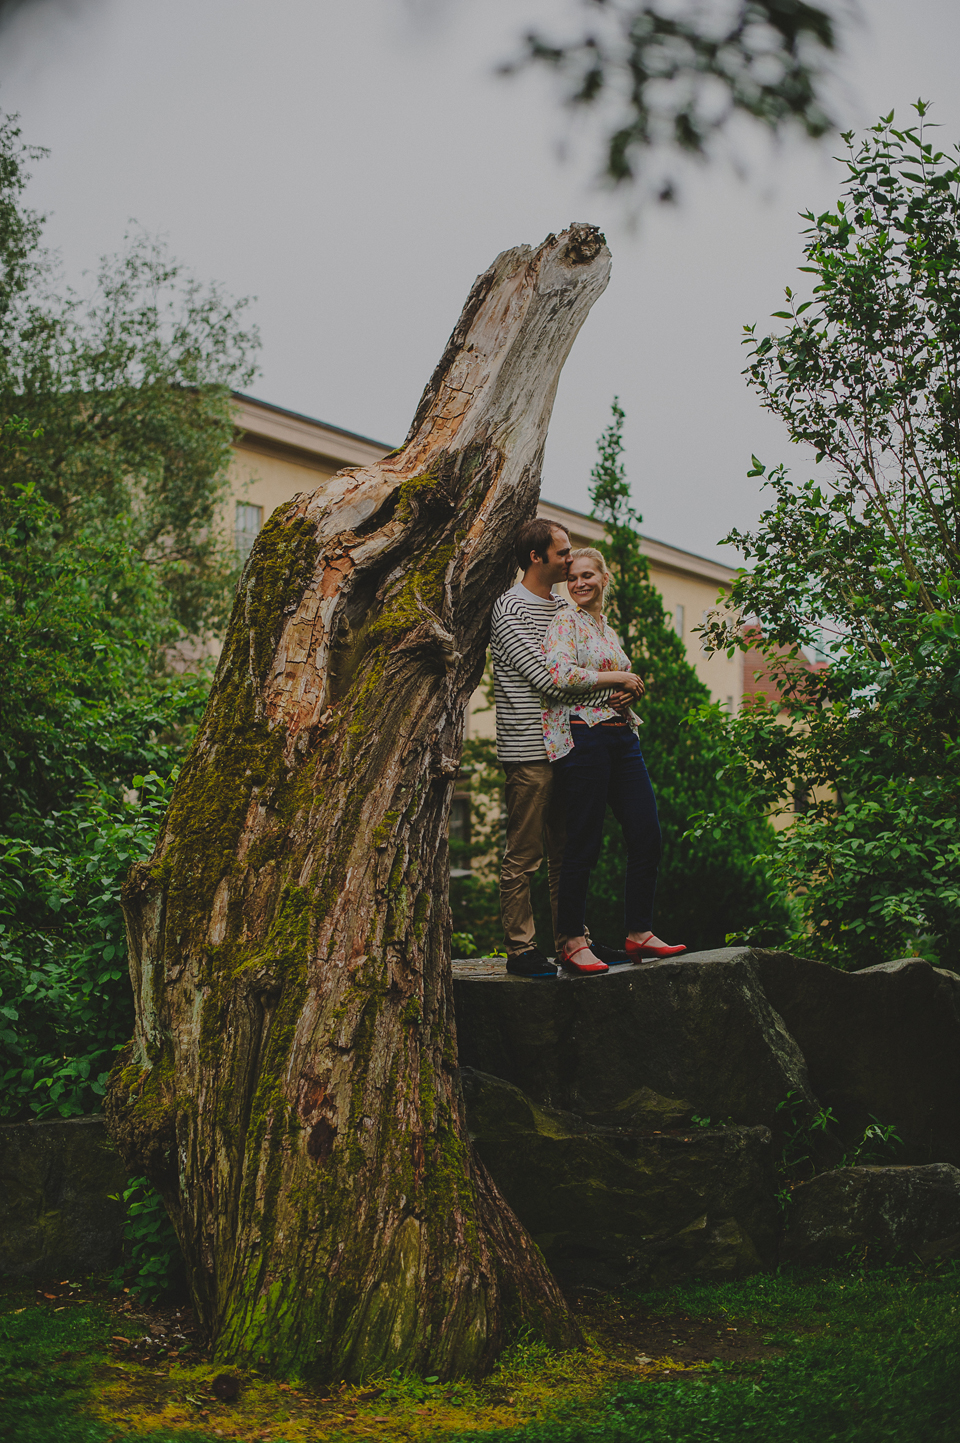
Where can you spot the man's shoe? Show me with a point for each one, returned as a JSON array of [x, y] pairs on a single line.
[[531, 963], [611, 955]]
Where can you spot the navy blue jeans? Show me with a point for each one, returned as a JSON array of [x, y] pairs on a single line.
[[606, 765]]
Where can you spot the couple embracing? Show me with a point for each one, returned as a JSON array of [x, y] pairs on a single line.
[[567, 740]]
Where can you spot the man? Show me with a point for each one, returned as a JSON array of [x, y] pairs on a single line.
[[519, 623]]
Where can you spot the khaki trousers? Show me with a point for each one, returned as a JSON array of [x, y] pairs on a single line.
[[534, 824]]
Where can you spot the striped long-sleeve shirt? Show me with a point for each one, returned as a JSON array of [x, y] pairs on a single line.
[[521, 680]]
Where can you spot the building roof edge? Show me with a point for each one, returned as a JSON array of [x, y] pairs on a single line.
[[310, 420]]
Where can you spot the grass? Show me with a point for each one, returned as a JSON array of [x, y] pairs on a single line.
[[821, 1357]]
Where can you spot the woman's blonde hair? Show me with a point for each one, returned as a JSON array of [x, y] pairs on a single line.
[[595, 556]]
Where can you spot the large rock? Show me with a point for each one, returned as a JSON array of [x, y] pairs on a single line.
[[884, 1043], [614, 1206], [599, 1077], [637, 1045], [56, 1213], [875, 1213], [729, 1033]]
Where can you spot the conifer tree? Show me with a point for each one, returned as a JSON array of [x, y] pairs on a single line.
[[717, 882]]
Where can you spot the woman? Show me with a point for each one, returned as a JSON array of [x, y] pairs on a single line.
[[596, 756]]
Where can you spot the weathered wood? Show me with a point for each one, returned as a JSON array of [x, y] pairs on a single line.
[[292, 1087]]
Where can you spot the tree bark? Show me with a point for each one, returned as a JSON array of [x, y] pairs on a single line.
[[292, 1087]]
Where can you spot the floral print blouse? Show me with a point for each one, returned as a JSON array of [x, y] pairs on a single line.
[[575, 648]]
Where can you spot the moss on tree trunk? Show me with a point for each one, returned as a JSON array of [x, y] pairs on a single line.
[[292, 1086]]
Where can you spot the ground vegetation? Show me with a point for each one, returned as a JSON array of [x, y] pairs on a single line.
[[833, 1354]]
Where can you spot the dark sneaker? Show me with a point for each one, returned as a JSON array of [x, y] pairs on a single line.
[[531, 963], [611, 955]]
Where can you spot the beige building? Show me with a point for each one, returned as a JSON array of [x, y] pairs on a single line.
[[278, 453]]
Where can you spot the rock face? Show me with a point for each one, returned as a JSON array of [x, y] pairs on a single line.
[[697, 1032], [584, 1114], [881, 1043], [613, 1206], [56, 1216], [875, 1213]]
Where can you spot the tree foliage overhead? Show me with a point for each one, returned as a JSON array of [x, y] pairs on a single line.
[[672, 74], [867, 556], [129, 388]]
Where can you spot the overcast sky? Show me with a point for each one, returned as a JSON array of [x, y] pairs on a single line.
[[355, 166]]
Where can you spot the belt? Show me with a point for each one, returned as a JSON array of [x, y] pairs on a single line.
[[576, 721]]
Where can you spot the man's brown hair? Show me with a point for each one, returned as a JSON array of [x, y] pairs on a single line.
[[535, 536]]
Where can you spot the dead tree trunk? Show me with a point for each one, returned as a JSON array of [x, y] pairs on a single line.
[[292, 1087]]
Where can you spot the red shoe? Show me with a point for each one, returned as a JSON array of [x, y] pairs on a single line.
[[586, 969], [643, 951]]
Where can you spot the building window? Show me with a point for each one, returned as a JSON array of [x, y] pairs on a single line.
[[459, 836], [678, 616], [249, 521], [460, 819]]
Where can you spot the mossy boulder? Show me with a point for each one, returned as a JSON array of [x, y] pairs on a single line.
[[610, 1206], [875, 1213], [57, 1216]]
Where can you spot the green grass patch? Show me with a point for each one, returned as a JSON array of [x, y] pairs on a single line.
[[51, 1350], [869, 1356], [815, 1358]]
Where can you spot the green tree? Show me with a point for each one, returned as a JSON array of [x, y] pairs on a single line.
[[714, 879], [82, 705], [864, 561], [88, 735], [115, 431], [129, 389]]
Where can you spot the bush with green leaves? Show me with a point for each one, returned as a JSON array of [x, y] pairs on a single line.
[[66, 1006], [475, 898], [82, 700], [863, 561], [89, 738], [157, 1269]]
